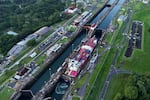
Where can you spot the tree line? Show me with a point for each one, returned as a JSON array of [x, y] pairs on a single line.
[[137, 87], [25, 17]]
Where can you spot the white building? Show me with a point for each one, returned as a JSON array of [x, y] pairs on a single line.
[[145, 1], [42, 30], [71, 10], [20, 45]]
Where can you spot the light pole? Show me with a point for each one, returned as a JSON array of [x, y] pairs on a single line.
[[72, 47], [49, 72]]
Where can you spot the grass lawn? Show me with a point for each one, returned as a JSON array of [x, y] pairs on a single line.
[[116, 85], [104, 69], [64, 40], [6, 93], [75, 98], [100, 79], [40, 59], [8, 74], [139, 62], [94, 77], [25, 60], [80, 82]]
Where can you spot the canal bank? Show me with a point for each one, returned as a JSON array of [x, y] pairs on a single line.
[[62, 86], [36, 84], [59, 94], [45, 76], [111, 15]]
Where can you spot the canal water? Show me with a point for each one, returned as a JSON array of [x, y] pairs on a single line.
[[62, 86], [102, 12], [55, 65], [99, 15], [37, 85], [104, 25], [57, 96]]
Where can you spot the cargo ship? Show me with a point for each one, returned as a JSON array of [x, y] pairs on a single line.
[[77, 62]]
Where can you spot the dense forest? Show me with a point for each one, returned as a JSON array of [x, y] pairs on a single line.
[[137, 87], [25, 17]]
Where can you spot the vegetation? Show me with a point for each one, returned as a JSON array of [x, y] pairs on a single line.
[[81, 82], [75, 98], [115, 89], [25, 17], [25, 61], [31, 43], [6, 76], [41, 59], [71, 28], [129, 87], [6, 93], [135, 63], [136, 87], [100, 79], [63, 40]]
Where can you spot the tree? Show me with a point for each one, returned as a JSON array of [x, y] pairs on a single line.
[[118, 96], [141, 88], [31, 43], [131, 92], [25, 17]]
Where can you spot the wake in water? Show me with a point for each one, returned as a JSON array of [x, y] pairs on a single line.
[[61, 88]]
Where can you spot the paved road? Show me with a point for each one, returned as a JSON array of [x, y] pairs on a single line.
[[113, 70], [82, 90]]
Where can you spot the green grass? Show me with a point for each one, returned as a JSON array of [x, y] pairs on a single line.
[[25, 60], [40, 59], [6, 93], [139, 62], [94, 75], [80, 82], [108, 37], [64, 40], [75, 98], [26, 50], [117, 84], [99, 77], [5, 77], [102, 76]]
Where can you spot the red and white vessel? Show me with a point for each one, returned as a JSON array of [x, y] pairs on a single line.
[[76, 63]]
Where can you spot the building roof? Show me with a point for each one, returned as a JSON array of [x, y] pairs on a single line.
[[33, 54], [30, 37], [42, 30], [15, 50]]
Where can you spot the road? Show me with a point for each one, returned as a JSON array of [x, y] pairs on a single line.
[[31, 51], [113, 69], [112, 72]]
